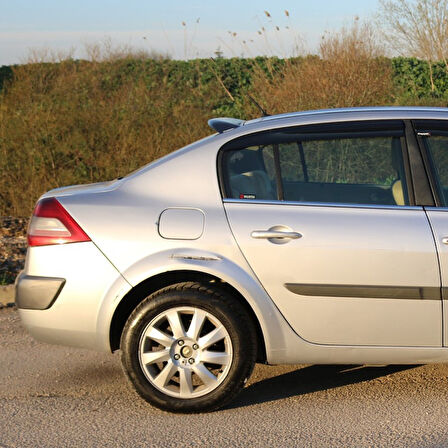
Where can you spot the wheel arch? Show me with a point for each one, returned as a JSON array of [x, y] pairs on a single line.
[[146, 287]]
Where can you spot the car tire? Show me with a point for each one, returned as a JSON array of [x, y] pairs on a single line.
[[189, 347]]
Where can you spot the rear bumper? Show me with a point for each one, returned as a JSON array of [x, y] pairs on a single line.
[[37, 293], [67, 294]]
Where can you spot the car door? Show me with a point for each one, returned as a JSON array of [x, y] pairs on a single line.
[[433, 139], [324, 215]]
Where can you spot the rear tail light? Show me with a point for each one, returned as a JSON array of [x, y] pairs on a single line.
[[52, 224]]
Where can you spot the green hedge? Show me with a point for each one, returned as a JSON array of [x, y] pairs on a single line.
[[411, 76], [235, 73]]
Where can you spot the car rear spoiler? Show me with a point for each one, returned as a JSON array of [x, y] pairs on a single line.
[[223, 124]]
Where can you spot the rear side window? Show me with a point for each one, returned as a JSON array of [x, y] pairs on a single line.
[[328, 164]]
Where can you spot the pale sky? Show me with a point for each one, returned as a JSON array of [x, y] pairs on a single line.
[[67, 25]]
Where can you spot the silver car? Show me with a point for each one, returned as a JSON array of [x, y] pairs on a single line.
[[315, 237]]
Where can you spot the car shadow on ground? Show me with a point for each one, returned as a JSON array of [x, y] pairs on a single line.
[[310, 379]]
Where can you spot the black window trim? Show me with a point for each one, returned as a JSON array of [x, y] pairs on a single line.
[[430, 125], [418, 182], [303, 162], [278, 173]]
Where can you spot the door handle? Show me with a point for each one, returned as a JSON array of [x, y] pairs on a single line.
[[267, 234], [276, 234], [445, 240]]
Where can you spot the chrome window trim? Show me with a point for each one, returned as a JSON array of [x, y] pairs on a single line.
[[436, 209], [322, 204]]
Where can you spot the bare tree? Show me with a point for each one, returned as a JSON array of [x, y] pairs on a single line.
[[417, 28]]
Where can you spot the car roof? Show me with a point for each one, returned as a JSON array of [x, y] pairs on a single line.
[[225, 124], [383, 112]]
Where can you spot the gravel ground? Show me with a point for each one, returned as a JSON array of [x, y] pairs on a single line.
[[54, 396], [12, 247]]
